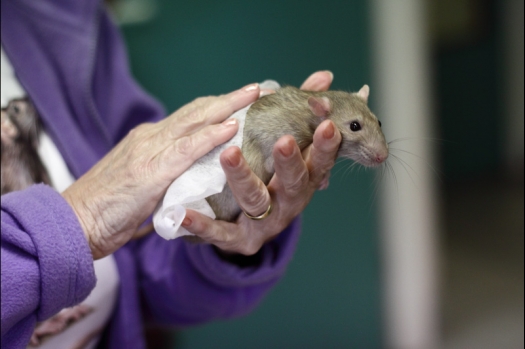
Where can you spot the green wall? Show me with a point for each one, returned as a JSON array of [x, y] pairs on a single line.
[[468, 84], [330, 296]]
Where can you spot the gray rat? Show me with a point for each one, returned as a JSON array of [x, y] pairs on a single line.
[[291, 111]]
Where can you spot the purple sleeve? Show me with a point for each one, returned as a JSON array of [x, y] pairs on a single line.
[[46, 261], [185, 284]]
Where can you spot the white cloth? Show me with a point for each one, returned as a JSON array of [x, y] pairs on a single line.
[[101, 301], [204, 178], [11, 88]]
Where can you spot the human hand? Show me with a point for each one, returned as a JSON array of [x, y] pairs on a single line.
[[297, 176], [121, 191]]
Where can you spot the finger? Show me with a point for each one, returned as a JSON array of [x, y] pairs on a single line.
[[289, 165], [318, 81], [226, 236], [221, 107], [143, 231], [325, 182], [320, 157], [240, 98], [209, 110], [183, 152], [249, 191], [208, 229]]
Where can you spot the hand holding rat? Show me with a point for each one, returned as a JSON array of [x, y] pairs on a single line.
[[290, 190], [113, 198]]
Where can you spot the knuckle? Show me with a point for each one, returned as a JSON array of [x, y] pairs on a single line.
[[200, 101], [140, 145], [140, 170], [249, 249], [225, 239], [316, 172], [139, 130], [141, 167], [298, 184], [228, 239], [195, 116], [256, 198], [325, 162], [184, 146]]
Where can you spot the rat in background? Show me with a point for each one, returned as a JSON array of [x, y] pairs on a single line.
[[291, 111], [21, 165]]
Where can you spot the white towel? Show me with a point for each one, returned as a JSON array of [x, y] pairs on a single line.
[[204, 178]]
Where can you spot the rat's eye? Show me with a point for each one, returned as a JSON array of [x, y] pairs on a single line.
[[379, 123], [355, 126]]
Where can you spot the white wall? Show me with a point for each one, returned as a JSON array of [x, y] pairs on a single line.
[[409, 202]]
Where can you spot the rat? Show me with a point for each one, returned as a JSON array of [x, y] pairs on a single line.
[[21, 165], [291, 111]]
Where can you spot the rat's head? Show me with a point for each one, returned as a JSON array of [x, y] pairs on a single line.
[[362, 138], [19, 122]]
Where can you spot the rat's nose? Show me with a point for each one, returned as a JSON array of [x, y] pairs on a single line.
[[379, 158]]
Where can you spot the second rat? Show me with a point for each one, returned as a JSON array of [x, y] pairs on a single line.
[[291, 111]]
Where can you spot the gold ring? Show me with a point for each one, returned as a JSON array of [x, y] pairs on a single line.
[[263, 216]]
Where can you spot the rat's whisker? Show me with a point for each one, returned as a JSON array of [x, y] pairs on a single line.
[[340, 160], [437, 140], [353, 166], [341, 167], [346, 169], [406, 170], [438, 173], [395, 178], [377, 182], [399, 158]]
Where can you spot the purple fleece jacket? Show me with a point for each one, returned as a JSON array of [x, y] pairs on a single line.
[[71, 60]]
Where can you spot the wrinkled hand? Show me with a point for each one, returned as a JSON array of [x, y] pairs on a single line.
[[121, 191], [297, 177]]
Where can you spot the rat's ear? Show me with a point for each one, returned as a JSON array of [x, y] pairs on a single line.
[[320, 106], [364, 92]]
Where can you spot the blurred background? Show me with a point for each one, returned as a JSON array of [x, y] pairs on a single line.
[[429, 258]]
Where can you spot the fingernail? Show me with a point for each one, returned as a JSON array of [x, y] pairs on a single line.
[[251, 87], [233, 160], [331, 74], [329, 131], [186, 222], [265, 92], [287, 149], [230, 122]]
